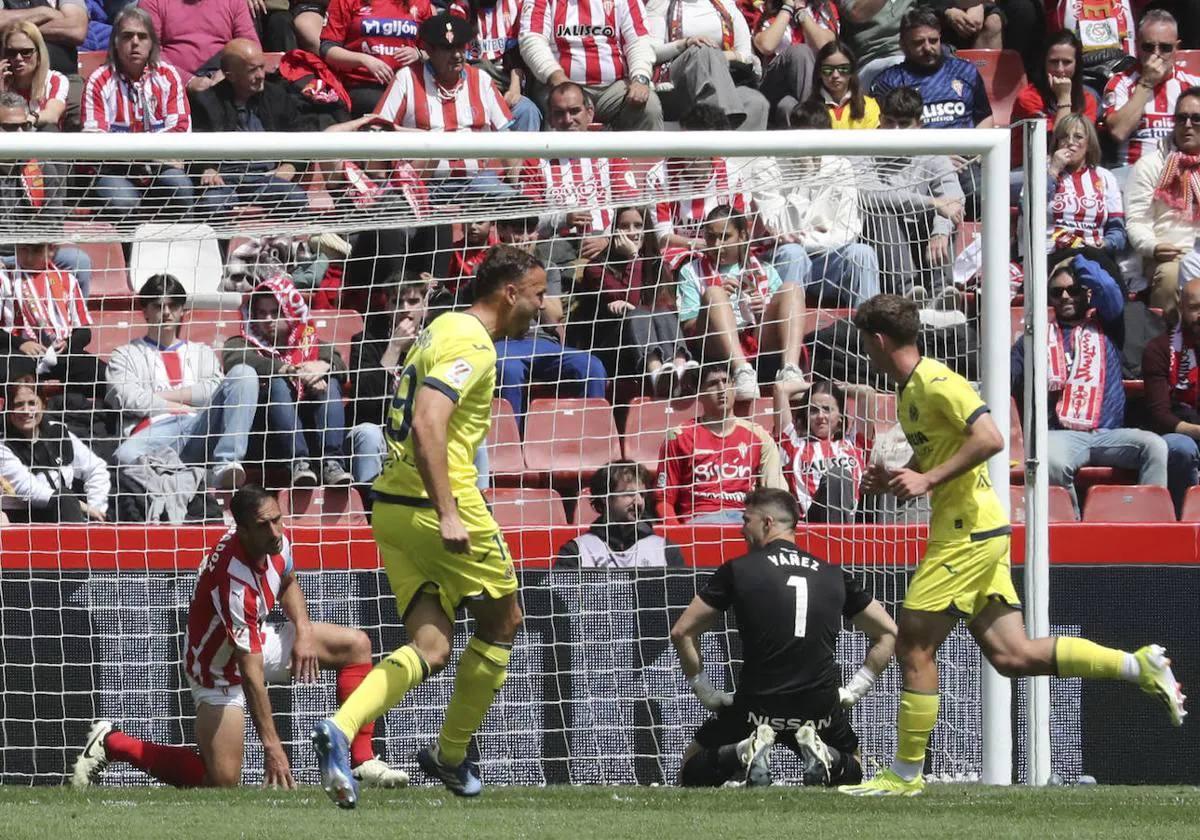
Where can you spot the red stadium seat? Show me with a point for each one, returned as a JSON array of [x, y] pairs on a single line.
[[515, 508], [211, 326], [111, 329], [337, 328], [505, 458], [1189, 60], [585, 514], [90, 60], [322, 506], [1003, 77], [1061, 509], [818, 318], [1191, 505], [567, 439], [646, 427], [1135, 503]]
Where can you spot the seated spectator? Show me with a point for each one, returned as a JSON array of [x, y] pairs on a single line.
[[872, 29], [823, 468], [171, 394], [367, 45], [274, 21], [1103, 31], [618, 308], [454, 291], [1162, 198], [419, 98], [608, 51], [495, 53], [971, 24], [43, 308], [63, 25], [136, 91], [1055, 91], [1087, 397], [788, 35], [25, 70], [837, 86], [1172, 377], [910, 206], [707, 466], [809, 205], [49, 475], [540, 356], [300, 382], [1085, 210], [1139, 102], [705, 57], [621, 538], [247, 100], [952, 91], [734, 308], [308, 20], [192, 34]]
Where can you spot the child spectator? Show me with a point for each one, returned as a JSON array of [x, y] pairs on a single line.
[[837, 86]]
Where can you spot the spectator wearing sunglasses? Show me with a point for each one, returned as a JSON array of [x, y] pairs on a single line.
[[836, 85], [25, 69], [1087, 397], [1162, 203], [1139, 102]]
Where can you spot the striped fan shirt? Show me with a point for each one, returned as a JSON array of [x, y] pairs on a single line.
[[157, 102], [685, 216], [55, 90], [228, 613], [1158, 117], [564, 185], [587, 37], [496, 31], [826, 17], [807, 459], [1083, 202], [23, 292], [415, 100]]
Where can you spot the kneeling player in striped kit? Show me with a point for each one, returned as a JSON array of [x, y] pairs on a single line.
[[231, 655]]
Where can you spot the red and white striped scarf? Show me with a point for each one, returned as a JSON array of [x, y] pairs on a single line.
[[1179, 185], [302, 333], [1080, 377], [749, 273], [46, 304], [1184, 373]]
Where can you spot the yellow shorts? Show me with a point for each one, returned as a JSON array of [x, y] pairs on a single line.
[[960, 578], [410, 544]]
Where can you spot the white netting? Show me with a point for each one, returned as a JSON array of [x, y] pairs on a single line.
[[594, 693]]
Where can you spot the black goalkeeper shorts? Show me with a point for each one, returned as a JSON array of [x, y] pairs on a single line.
[[785, 713]]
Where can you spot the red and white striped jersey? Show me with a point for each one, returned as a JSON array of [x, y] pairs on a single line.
[[1083, 202], [807, 459], [1158, 118], [228, 613], [157, 102], [691, 199], [496, 31], [415, 100], [55, 89], [587, 37], [826, 17], [565, 185], [43, 305]]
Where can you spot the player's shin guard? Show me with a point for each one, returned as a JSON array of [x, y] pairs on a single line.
[[918, 715], [481, 672], [711, 767], [177, 766], [349, 679], [381, 689], [1081, 658]]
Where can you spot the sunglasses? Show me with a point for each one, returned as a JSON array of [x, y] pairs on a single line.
[[830, 69], [26, 53], [1164, 49], [6, 126], [1187, 118], [1067, 291]]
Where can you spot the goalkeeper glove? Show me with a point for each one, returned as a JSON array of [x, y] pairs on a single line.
[[711, 697], [857, 688]]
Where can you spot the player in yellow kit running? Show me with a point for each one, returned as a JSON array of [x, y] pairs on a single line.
[[965, 571], [439, 544]]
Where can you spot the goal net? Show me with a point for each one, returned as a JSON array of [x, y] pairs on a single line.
[[665, 262]]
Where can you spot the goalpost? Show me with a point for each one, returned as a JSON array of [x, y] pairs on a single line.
[[93, 615]]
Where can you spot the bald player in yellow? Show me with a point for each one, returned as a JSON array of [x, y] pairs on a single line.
[[965, 572], [440, 546]]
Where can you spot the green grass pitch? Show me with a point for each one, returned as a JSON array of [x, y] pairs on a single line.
[[607, 813]]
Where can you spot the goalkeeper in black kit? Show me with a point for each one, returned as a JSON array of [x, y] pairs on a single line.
[[789, 607]]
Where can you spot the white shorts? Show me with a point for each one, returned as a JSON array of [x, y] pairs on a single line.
[[277, 668]]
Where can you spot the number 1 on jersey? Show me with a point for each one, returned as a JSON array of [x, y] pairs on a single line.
[[800, 584]]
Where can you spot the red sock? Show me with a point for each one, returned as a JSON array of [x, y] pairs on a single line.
[[177, 766], [348, 679]]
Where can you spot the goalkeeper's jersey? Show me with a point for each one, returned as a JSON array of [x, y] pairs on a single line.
[[454, 355]]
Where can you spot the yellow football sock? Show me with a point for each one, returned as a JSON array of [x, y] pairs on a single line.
[[918, 714], [1081, 658], [381, 689], [480, 674]]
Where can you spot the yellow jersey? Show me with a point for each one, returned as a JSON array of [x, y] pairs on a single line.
[[456, 356], [936, 406], [839, 115]]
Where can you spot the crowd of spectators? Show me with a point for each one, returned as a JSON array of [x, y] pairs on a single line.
[[702, 294]]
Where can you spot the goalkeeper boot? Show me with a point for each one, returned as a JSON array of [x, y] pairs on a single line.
[[375, 773], [886, 783], [333, 757], [815, 756], [462, 780], [93, 759], [755, 754], [1157, 678]]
